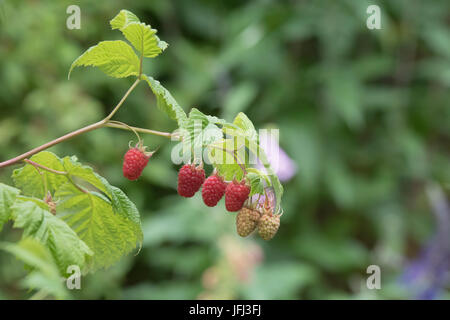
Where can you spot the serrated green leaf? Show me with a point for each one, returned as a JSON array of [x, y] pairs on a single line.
[[220, 155], [144, 39], [165, 102], [44, 275], [89, 178], [40, 203], [140, 35], [115, 58], [7, 197], [197, 115], [257, 183], [31, 182], [275, 182], [211, 133], [242, 128], [202, 129], [110, 227], [244, 123], [123, 18], [87, 198], [64, 245]]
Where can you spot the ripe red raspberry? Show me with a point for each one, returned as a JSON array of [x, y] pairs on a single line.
[[213, 190], [235, 195], [134, 162], [190, 179]]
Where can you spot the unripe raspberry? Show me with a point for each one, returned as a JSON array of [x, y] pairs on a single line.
[[235, 195], [51, 204], [190, 179], [246, 221], [213, 190], [268, 226], [134, 162]]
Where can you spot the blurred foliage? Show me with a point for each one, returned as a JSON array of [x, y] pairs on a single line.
[[363, 113]]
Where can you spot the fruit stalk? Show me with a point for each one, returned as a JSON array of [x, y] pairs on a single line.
[[100, 124]]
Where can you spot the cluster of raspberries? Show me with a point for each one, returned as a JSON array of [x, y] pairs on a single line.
[[248, 219], [191, 178]]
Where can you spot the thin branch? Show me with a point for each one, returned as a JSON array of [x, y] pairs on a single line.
[[118, 125], [37, 165], [44, 181], [129, 128], [72, 134], [141, 59], [109, 116], [52, 143]]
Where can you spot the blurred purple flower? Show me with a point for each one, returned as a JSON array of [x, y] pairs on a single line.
[[284, 167], [429, 273]]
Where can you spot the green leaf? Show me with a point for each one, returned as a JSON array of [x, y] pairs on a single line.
[[140, 35], [220, 155], [241, 127], [44, 275], [89, 204], [32, 183], [123, 18], [144, 39], [110, 227], [243, 122], [64, 245], [115, 58], [275, 182], [257, 182], [202, 129], [7, 197], [211, 133], [84, 175], [197, 115], [165, 102]]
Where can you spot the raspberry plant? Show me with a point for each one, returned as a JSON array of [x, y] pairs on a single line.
[[70, 215]]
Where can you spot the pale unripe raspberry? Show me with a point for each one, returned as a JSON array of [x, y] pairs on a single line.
[[268, 226], [246, 221]]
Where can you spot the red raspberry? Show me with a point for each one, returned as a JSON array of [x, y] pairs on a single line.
[[190, 179], [235, 195], [213, 190], [134, 162]]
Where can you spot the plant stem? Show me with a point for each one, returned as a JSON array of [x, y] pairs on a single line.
[[142, 130], [129, 128], [52, 143], [44, 181], [37, 165], [72, 134], [109, 116]]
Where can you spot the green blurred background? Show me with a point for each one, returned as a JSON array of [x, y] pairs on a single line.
[[363, 113]]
